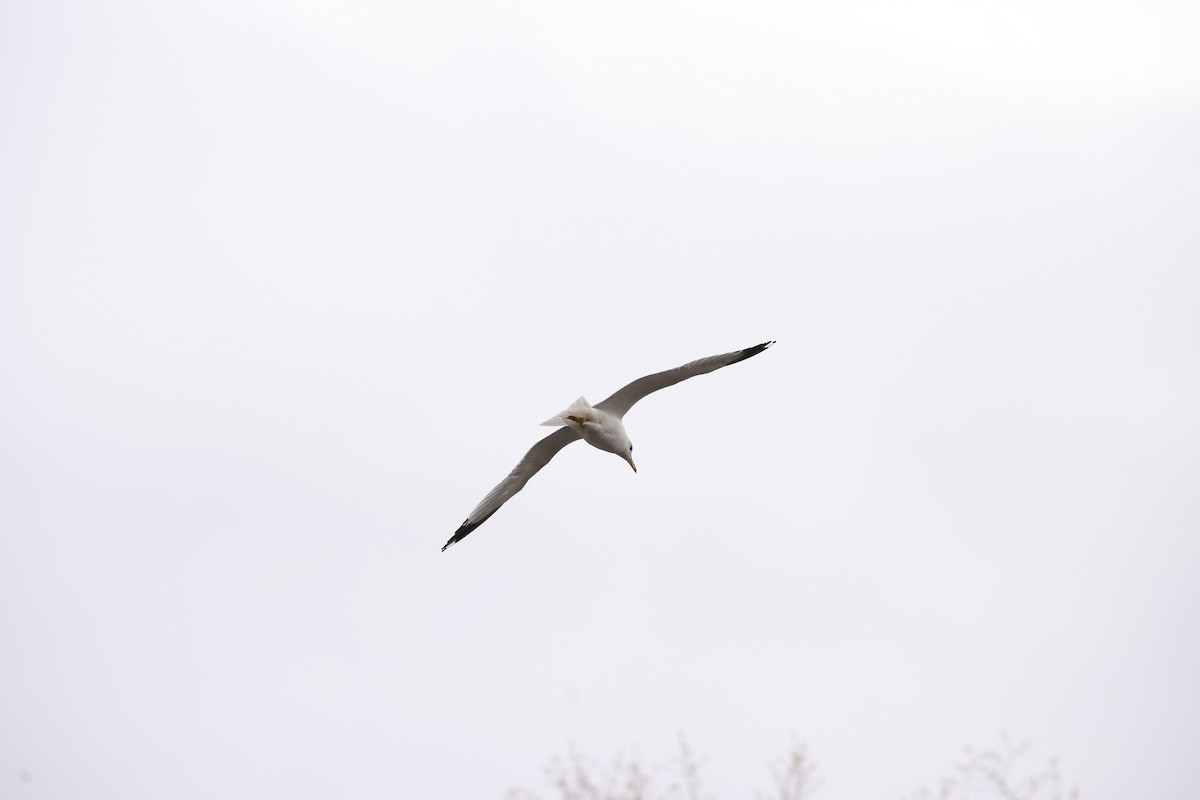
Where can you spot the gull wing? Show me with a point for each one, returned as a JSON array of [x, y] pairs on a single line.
[[538, 456], [624, 398]]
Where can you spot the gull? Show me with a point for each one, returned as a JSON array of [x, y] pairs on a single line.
[[602, 426]]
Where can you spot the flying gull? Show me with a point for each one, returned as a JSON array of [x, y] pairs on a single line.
[[600, 425]]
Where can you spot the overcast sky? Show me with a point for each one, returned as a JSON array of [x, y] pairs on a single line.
[[286, 287]]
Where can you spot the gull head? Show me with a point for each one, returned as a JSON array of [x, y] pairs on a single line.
[[605, 431]]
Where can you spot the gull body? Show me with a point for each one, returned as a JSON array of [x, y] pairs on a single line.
[[602, 426], [599, 428]]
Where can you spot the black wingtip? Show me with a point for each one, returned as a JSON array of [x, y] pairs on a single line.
[[749, 352], [462, 531], [465, 529]]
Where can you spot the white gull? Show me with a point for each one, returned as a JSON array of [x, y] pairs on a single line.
[[601, 426]]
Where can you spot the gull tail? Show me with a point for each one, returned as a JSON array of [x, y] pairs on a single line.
[[576, 411]]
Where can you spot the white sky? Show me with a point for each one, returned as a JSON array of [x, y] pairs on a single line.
[[285, 289]]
